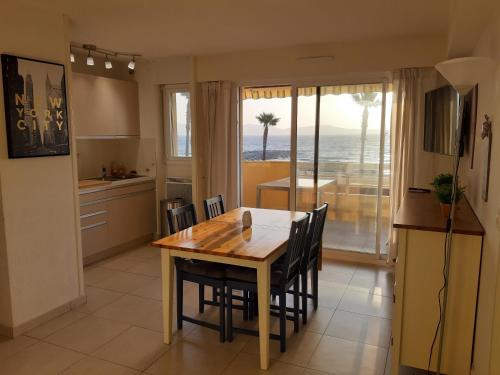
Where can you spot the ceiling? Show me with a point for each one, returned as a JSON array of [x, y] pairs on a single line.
[[157, 28]]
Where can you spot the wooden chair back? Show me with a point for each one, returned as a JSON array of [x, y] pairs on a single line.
[[181, 218], [214, 206]]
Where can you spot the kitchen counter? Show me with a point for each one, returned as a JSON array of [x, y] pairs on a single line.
[[92, 186]]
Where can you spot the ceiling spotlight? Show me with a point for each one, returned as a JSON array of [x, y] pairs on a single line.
[[90, 59], [131, 64], [72, 57], [107, 63]]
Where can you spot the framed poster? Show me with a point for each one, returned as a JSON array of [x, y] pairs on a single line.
[[36, 112]]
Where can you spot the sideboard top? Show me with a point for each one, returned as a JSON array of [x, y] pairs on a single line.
[[421, 211]]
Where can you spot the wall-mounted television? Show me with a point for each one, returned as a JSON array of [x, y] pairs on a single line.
[[442, 107]]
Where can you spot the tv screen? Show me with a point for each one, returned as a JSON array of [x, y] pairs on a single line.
[[442, 107]]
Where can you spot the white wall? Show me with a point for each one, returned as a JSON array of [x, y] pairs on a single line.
[[487, 359], [40, 245]]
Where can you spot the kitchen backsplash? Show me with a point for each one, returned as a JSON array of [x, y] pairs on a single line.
[[135, 154]]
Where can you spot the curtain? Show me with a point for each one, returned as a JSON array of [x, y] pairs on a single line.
[[407, 98], [216, 142]]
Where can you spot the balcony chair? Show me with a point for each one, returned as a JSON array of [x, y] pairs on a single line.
[[283, 277], [199, 272]]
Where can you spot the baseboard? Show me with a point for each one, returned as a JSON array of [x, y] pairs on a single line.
[[94, 258], [30, 324]]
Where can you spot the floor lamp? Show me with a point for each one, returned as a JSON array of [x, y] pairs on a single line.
[[463, 74]]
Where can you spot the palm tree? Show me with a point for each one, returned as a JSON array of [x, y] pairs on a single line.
[[266, 119], [188, 121], [366, 100]]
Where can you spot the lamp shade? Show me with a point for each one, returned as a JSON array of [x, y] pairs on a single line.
[[465, 72]]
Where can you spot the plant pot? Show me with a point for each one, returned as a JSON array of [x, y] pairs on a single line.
[[445, 209]]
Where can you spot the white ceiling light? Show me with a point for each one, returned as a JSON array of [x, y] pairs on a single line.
[[107, 63], [465, 72], [131, 64], [90, 59]]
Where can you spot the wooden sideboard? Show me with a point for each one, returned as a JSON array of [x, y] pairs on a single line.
[[421, 231]]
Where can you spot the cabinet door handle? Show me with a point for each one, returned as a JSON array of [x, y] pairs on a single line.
[[90, 226], [84, 216]]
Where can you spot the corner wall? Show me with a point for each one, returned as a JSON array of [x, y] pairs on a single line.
[[40, 244]]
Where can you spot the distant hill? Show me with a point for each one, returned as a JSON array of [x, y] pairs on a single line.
[[307, 130]]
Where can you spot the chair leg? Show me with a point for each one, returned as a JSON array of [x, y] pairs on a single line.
[[201, 298], [180, 299], [304, 291], [214, 294], [296, 301], [314, 280], [245, 305], [282, 297], [222, 314], [229, 314], [251, 304], [255, 304]]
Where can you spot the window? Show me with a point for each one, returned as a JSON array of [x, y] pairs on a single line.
[[178, 122]]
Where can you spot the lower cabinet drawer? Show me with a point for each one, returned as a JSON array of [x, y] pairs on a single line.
[[95, 238]]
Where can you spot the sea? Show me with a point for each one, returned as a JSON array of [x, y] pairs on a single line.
[[332, 148], [344, 148]]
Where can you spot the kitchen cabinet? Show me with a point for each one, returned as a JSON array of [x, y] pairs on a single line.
[[104, 107], [113, 217]]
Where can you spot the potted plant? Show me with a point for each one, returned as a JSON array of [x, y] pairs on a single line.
[[443, 186]]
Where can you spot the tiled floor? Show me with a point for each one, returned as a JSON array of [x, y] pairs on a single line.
[[119, 329]]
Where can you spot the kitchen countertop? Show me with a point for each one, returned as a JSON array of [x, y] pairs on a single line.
[[91, 186]]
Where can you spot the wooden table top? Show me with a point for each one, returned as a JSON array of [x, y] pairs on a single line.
[[225, 235], [262, 216], [421, 211]]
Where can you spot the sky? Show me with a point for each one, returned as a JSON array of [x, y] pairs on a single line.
[[336, 110]]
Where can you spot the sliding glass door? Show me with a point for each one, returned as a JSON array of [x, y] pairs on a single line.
[[331, 144], [343, 159]]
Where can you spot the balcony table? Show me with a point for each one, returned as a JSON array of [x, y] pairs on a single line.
[[283, 184], [224, 240]]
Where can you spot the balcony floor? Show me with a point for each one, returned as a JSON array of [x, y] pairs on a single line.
[[357, 236]]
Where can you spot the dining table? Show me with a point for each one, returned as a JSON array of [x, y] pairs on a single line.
[[224, 239]]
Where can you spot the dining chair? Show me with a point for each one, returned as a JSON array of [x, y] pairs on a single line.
[[282, 280], [311, 258], [214, 206], [199, 272]]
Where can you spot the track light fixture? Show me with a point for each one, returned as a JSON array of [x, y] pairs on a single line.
[[91, 50], [131, 64], [107, 63], [90, 59]]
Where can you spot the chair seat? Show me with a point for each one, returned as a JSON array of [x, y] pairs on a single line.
[[250, 275], [201, 268]]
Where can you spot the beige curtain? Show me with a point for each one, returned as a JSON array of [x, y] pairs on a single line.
[[407, 97], [216, 142]]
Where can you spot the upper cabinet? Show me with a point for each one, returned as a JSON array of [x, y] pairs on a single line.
[[104, 107]]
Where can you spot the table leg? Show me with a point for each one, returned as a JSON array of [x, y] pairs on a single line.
[[167, 264], [264, 291]]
